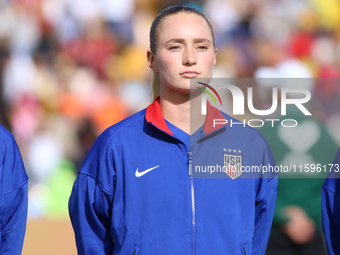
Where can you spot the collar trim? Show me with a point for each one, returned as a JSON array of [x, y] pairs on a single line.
[[153, 115], [213, 114]]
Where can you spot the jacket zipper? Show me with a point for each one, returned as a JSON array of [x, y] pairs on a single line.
[[190, 163], [193, 210], [244, 250]]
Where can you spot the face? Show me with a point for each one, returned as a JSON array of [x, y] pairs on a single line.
[[185, 50]]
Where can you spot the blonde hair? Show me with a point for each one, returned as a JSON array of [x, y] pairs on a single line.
[[155, 86]]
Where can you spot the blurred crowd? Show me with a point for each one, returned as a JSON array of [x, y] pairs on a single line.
[[71, 68]]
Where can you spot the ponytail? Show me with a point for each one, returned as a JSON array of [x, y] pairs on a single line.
[[155, 86]]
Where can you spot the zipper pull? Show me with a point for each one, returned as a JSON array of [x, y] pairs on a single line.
[[190, 163]]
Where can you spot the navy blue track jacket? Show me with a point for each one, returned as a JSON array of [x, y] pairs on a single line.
[[136, 192]]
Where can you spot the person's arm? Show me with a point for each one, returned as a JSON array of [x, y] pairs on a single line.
[[13, 196], [330, 200], [330, 218], [13, 220], [265, 206], [90, 204], [89, 210]]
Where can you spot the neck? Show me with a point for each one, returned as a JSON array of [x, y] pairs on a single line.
[[182, 111]]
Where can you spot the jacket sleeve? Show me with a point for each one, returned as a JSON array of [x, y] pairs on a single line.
[[330, 199], [90, 204], [89, 209], [13, 221], [265, 205], [13, 196]]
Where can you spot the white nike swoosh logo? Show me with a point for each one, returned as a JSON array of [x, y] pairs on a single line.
[[139, 174]]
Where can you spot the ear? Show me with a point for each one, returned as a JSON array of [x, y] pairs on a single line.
[[152, 62], [215, 56]]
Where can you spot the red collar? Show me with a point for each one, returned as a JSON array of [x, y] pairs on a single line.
[[153, 115]]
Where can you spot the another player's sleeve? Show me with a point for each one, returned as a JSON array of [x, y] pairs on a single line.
[[90, 204], [13, 196], [13, 220], [330, 199], [265, 204]]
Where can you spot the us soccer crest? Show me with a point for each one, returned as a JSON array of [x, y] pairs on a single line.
[[232, 165]]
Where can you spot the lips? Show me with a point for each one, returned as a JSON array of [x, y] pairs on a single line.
[[189, 74]]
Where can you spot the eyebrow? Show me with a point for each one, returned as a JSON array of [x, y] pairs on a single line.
[[180, 40]]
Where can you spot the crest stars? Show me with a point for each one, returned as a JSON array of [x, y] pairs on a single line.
[[232, 150]]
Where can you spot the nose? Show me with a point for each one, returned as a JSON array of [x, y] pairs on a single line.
[[189, 57]]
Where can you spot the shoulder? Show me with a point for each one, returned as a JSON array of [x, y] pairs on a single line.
[[5, 136], [122, 130], [243, 130], [332, 182], [125, 127], [12, 168], [7, 142], [103, 156]]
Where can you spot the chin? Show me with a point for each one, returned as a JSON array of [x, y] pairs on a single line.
[[192, 92]]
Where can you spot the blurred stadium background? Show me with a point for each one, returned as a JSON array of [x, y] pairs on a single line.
[[71, 68]]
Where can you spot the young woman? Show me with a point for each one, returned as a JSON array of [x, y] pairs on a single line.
[[135, 193]]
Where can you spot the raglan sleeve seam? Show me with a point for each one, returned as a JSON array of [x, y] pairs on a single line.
[[18, 187], [99, 184]]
